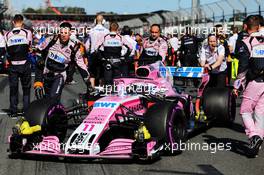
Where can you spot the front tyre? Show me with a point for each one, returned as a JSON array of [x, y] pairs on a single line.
[[167, 123], [50, 115]]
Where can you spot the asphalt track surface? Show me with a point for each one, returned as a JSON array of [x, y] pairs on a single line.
[[189, 162]]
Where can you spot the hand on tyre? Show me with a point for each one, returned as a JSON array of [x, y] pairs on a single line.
[[39, 90]]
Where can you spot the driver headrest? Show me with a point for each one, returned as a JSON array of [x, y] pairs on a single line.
[[143, 72]]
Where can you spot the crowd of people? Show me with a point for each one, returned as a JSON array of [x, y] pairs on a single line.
[[103, 54]]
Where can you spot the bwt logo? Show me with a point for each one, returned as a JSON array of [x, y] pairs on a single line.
[[259, 52], [104, 105], [57, 58], [16, 40], [113, 43]]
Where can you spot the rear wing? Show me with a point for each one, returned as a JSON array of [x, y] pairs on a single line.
[[183, 72]]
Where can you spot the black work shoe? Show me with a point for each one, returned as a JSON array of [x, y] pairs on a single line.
[[254, 146]]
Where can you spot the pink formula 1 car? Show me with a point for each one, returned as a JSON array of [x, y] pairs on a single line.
[[140, 118]]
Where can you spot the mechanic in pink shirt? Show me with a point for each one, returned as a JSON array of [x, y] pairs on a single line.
[[154, 47], [56, 53], [251, 79]]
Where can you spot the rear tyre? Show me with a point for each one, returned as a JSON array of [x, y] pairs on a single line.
[[220, 103]]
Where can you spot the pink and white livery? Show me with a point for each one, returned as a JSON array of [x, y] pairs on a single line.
[[142, 117]]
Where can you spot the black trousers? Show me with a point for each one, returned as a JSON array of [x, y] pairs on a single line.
[[53, 85], [95, 66], [70, 71], [229, 71], [189, 60], [22, 72], [112, 73], [127, 67]]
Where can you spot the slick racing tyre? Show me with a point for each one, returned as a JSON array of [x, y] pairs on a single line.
[[220, 103], [50, 115], [167, 123]]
